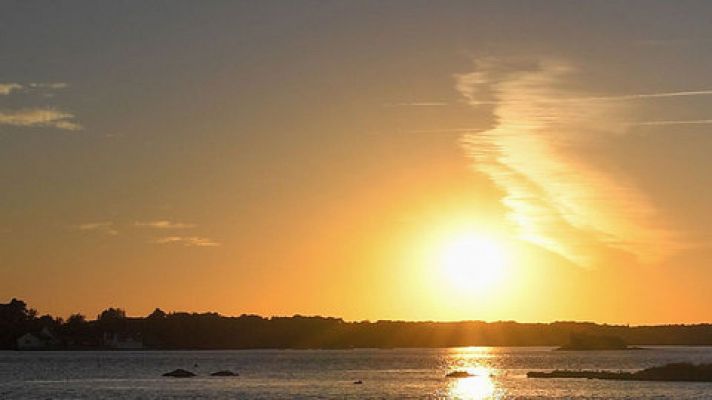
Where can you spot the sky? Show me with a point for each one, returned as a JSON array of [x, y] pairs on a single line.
[[334, 158]]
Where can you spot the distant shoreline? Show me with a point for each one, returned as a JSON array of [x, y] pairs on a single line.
[[21, 328], [552, 348]]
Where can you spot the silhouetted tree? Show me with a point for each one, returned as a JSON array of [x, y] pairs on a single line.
[[111, 314], [76, 321], [112, 320], [180, 330], [157, 314], [15, 320]]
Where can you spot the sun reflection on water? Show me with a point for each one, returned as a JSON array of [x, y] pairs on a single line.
[[481, 385]]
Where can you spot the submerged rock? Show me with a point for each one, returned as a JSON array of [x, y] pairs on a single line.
[[459, 374], [225, 373], [358, 382], [179, 373]]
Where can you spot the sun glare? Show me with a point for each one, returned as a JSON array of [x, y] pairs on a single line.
[[473, 262]]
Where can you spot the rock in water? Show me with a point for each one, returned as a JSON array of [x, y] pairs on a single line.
[[225, 373], [674, 372], [179, 373], [459, 374]]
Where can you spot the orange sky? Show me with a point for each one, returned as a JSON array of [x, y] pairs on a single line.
[[256, 158]]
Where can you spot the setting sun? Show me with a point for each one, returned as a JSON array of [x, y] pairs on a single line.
[[355, 199], [472, 261]]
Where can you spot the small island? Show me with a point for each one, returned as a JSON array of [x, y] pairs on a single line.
[[459, 374], [588, 342], [179, 373], [674, 372]]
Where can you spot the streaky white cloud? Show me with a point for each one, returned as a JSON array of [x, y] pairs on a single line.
[[105, 227], [190, 241], [164, 224], [533, 153], [40, 117], [642, 96], [586, 99]]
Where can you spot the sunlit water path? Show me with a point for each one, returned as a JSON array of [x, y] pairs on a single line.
[[326, 374]]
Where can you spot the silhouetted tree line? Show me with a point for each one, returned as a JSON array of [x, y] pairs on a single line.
[[180, 330]]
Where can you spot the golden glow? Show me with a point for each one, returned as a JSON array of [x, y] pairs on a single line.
[[473, 262], [476, 387], [479, 386]]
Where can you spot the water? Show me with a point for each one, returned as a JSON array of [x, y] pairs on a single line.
[[329, 374]]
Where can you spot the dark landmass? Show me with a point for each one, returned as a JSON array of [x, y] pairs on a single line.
[[677, 372], [21, 327], [588, 342]]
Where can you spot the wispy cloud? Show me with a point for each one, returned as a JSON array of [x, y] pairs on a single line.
[[110, 228], [555, 198], [49, 86], [164, 224], [673, 122], [446, 130], [39, 117], [7, 88], [582, 99], [104, 227], [642, 96], [662, 42], [418, 104], [190, 241]]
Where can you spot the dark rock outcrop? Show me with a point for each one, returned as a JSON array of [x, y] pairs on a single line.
[[675, 372], [180, 373], [225, 373], [459, 374]]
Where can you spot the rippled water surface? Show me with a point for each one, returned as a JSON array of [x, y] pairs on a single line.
[[327, 374]]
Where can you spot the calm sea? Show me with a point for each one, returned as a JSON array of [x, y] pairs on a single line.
[[329, 374]]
